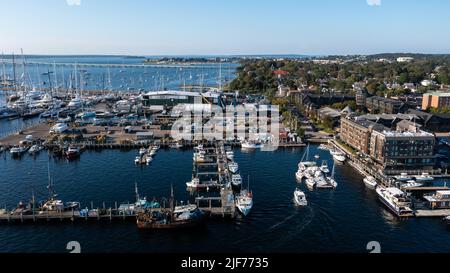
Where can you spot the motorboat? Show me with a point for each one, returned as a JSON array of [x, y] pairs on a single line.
[[311, 183], [317, 156], [142, 151], [75, 103], [236, 180], [424, 177], [323, 147], [338, 156], [370, 182], [396, 201], [194, 183], [72, 152], [300, 198], [17, 150], [411, 184], [324, 168], [233, 167], [35, 149], [148, 160], [176, 145], [447, 220], [244, 202], [249, 145], [303, 166], [180, 217], [403, 177], [230, 155]]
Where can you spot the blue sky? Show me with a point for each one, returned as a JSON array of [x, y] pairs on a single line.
[[159, 27]]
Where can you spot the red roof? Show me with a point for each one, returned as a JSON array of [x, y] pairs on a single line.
[[280, 72]]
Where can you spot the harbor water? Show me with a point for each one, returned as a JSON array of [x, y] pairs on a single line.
[[341, 220]]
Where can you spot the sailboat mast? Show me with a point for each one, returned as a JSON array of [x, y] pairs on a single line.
[[136, 190], [14, 72]]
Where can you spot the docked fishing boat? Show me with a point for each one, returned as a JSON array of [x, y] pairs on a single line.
[[73, 152], [244, 202], [403, 177], [370, 182], [338, 156], [233, 167], [396, 201], [424, 177], [300, 198]]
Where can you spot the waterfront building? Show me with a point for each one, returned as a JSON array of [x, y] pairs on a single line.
[[330, 114], [382, 105], [407, 147], [440, 200], [403, 149], [356, 133], [436, 100], [437, 123], [157, 99]]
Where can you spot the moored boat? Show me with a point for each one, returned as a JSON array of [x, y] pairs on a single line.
[[233, 167], [370, 182], [244, 202], [424, 177], [396, 201], [72, 152]]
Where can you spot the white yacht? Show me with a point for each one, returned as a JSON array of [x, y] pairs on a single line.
[[370, 182], [194, 183], [17, 150], [331, 179], [244, 202], [424, 177], [148, 160], [75, 103], [300, 198], [403, 177], [230, 155], [236, 180], [233, 167], [411, 184], [248, 145], [311, 183], [35, 149], [338, 156], [396, 200], [324, 168], [142, 151]]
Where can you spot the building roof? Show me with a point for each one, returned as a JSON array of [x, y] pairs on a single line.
[[330, 112], [439, 93], [173, 93]]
